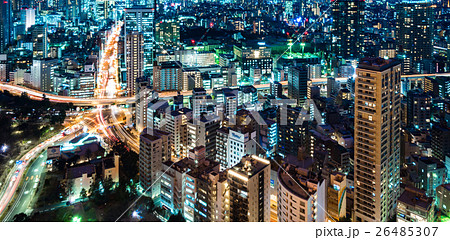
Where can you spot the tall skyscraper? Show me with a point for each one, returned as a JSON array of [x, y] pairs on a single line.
[[377, 139], [134, 60], [298, 84], [348, 23], [6, 24], [141, 19], [40, 41], [415, 29]]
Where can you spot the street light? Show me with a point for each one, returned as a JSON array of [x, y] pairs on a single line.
[[76, 219]]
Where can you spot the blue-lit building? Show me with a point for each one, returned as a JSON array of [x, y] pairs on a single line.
[[141, 19]]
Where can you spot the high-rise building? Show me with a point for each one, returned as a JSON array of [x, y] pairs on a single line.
[[234, 143], [336, 197], [176, 124], [301, 196], [440, 141], [195, 187], [430, 173], [298, 84], [42, 74], [254, 57], [418, 110], [443, 199], [291, 133], [249, 183], [134, 59], [40, 41], [202, 132], [347, 32], [143, 97], [201, 102], [415, 30], [276, 89], [141, 19], [168, 33], [154, 149], [167, 76], [377, 139], [156, 112], [439, 86], [6, 24], [28, 16]]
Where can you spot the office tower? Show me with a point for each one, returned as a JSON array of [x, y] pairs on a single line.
[[249, 183], [347, 31], [134, 60], [6, 24], [298, 84], [201, 103], [168, 32], [440, 141], [336, 197], [331, 87], [28, 17], [414, 206], [167, 76], [85, 86], [154, 149], [202, 132], [443, 199], [414, 30], [418, 109], [276, 89], [42, 74], [141, 19], [291, 131], [377, 139], [40, 41], [301, 195], [176, 124]]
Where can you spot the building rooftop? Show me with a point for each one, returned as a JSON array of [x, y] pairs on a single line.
[[377, 64], [415, 198], [79, 170], [298, 181], [249, 166]]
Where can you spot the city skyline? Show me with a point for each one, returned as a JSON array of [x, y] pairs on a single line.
[[225, 111]]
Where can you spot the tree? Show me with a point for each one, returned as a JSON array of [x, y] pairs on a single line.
[[177, 218], [21, 217], [83, 194]]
